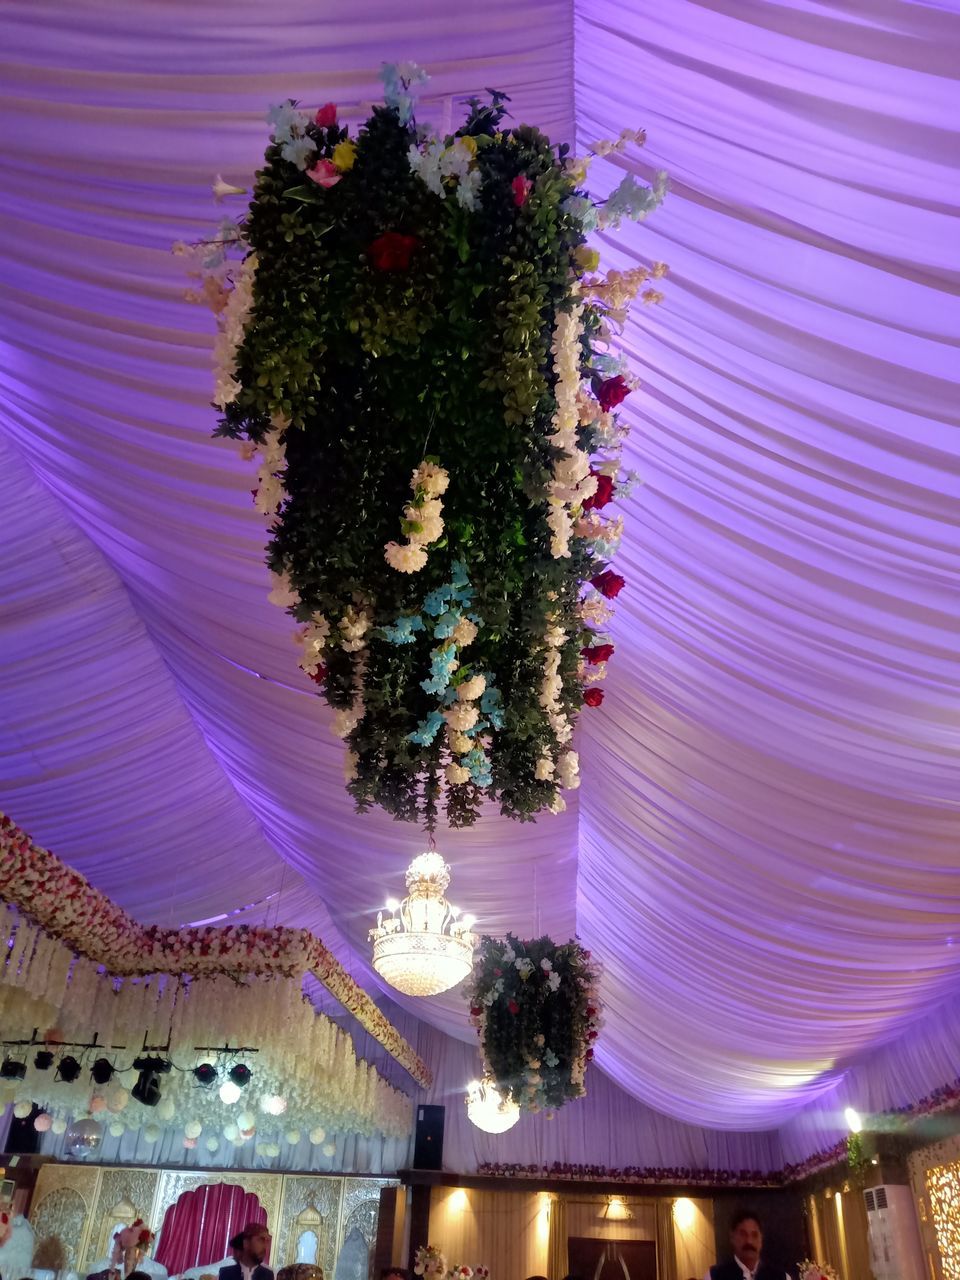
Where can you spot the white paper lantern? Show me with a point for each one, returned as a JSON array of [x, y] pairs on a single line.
[[229, 1093], [59, 1125], [117, 1129], [329, 1148], [151, 1133], [166, 1110], [192, 1129], [317, 1135], [43, 1122], [117, 1099], [22, 1109], [212, 1144], [230, 1131], [246, 1120], [273, 1104], [292, 1136]]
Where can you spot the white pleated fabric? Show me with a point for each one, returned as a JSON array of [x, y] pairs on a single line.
[[764, 855]]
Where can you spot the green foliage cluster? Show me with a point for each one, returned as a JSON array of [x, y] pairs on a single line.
[[535, 1040], [376, 370]]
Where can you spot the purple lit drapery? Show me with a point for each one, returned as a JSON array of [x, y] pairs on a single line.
[[764, 857]]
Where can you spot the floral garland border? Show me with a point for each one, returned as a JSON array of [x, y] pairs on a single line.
[[67, 907]]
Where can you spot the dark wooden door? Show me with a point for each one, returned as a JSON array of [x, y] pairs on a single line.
[[593, 1259]]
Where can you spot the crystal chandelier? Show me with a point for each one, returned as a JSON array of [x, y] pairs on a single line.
[[422, 948], [488, 1109]]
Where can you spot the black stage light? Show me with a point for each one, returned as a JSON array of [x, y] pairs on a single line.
[[240, 1075], [12, 1070], [147, 1088], [102, 1071], [68, 1070], [44, 1060], [205, 1074]]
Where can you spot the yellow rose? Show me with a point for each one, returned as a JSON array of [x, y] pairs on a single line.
[[587, 259], [469, 144], [344, 154]]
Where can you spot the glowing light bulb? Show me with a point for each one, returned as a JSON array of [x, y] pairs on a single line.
[[854, 1122], [229, 1093]]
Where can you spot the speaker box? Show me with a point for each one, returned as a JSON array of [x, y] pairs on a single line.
[[428, 1138]]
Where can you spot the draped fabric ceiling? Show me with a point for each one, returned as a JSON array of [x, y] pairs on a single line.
[[764, 851]]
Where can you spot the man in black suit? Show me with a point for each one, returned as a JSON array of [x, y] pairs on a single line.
[[250, 1248], [746, 1241]]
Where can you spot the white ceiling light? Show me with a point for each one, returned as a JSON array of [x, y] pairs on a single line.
[[421, 948]]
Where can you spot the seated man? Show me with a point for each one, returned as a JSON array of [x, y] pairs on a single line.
[[250, 1248], [746, 1242]]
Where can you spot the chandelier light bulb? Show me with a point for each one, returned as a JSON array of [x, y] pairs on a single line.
[[422, 948], [229, 1093], [393, 904], [488, 1109], [854, 1122]]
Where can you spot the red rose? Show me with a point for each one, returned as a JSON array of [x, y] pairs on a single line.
[[589, 1053], [608, 583], [611, 392], [475, 1011], [597, 653], [521, 187], [593, 697], [320, 674], [513, 1006], [498, 973], [326, 116], [603, 495], [392, 251]]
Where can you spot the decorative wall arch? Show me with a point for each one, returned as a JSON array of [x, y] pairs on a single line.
[[58, 1222]]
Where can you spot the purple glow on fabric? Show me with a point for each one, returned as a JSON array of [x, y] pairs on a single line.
[[764, 851]]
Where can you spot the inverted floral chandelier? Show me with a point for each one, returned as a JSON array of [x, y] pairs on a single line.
[[488, 1109], [423, 947]]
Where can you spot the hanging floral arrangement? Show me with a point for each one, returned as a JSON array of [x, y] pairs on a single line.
[[415, 347], [536, 1010]]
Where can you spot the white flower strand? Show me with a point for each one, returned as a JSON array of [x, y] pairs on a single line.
[[231, 322], [422, 520], [571, 481]]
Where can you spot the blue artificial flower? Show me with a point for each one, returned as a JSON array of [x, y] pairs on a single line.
[[583, 210], [550, 1058], [446, 624], [435, 601], [458, 574], [400, 83], [631, 200], [479, 765], [427, 729], [442, 662], [299, 151], [490, 706], [610, 366], [402, 632], [287, 121]]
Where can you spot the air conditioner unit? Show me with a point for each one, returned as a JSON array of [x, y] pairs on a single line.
[[895, 1249]]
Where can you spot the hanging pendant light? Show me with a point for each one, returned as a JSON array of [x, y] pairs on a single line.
[[488, 1109], [422, 947]]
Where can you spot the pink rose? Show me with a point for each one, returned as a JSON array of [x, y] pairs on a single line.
[[324, 173], [521, 187]]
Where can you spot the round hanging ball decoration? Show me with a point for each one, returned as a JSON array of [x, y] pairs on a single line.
[[189, 1143], [151, 1133], [59, 1125], [212, 1144], [117, 1099], [329, 1148], [43, 1122], [317, 1135], [97, 1104], [166, 1110], [83, 1138], [192, 1129], [230, 1131], [22, 1109], [117, 1129], [246, 1120], [292, 1136]]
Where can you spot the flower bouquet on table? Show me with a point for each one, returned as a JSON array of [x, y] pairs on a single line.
[[131, 1243], [431, 1263], [808, 1270], [416, 347]]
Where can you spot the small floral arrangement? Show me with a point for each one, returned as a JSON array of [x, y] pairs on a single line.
[[430, 1262], [137, 1236], [536, 1010], [815, 1271], [413, 332]]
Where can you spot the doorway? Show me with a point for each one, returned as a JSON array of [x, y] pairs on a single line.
[[593, 1259]]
